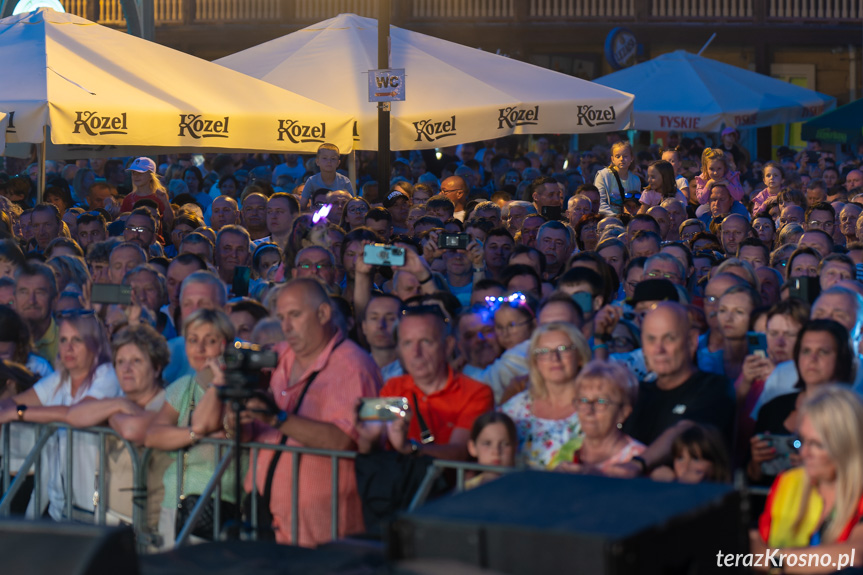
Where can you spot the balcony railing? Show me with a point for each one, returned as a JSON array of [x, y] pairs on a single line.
[[292, 12]]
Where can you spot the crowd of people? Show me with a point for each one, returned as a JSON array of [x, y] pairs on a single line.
[[685, 313]]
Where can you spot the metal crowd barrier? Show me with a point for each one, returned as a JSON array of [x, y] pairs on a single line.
[[33, 460], [222, 460]]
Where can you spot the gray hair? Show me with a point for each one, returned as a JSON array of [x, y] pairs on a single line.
[[207, 278], [666, 257], [531, 209], [611, 372], [160, 279]]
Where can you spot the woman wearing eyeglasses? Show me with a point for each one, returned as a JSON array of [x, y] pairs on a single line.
[[604, 395], [545, 414], [84, 372]]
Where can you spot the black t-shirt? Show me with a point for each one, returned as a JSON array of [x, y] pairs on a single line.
[[703, 398]]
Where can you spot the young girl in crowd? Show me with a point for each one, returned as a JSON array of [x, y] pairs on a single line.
[[493, 441], [699, 455], [715, 169], [616, 182], [773, 178], [661, 184]]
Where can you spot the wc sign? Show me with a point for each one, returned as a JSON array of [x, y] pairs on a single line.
[[387, 85]]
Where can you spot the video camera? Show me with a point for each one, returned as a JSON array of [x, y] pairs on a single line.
[[244, 368]]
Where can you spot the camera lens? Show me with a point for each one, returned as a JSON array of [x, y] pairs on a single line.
[[383, 255], [398, 251]]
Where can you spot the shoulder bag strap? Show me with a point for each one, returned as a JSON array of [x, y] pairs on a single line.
[[619, 186], [425, 433]]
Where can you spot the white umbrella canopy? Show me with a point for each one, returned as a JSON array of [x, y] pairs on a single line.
[[683, 91], [453, 93], [103, 91]]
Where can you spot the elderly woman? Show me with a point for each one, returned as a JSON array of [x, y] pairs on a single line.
[[190, 405], [545, 414], [822, 355], [605, 393], [84, 372], [140, 354], [817, 508]]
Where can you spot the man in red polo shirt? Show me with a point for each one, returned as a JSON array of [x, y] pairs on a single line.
[[446, 402]]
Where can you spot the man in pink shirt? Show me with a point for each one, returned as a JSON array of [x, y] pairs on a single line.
[[337, 372]]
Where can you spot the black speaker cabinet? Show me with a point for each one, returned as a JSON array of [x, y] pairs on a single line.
[[47, 548], [534, 522]]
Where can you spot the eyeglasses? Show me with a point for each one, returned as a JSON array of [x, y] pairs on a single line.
[[631, 195], [599, 405], [358, 210], [139, 229], [318, 267], [665, 275], [70, 313], [546, 353], [816, 225]]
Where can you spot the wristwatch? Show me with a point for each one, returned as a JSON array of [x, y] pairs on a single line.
[[21, 409], [193, 436], [281, 417]]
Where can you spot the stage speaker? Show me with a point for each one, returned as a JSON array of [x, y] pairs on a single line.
[[48, 548], [533, 522]]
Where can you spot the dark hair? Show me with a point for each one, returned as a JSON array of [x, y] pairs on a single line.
[[14, 329], [610, 281], [844, 370], [666, 172], [756, 243], [584, 275], [644, 218], [796, 309], [706, 442], [489, 418], [292, 200], [514, 270], [799, 252], [523, 249], [61, 192], [585, 220], [379, 214], [821, 207]]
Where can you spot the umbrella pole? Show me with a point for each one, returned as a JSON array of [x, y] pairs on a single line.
[[352, 170], [383, 107], [40, 152]]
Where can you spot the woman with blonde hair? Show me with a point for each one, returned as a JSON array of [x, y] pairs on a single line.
[[817, 508], [84, 373], [545, 414]]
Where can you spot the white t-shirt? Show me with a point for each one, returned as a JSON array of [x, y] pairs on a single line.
[[52, 391], [23, 436]]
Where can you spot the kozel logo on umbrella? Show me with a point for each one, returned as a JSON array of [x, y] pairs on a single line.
[[514, 116], [96, 125], [302, 133], [432, 131], [198, 127], [592, 117]]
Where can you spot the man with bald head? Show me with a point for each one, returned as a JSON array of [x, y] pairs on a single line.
[[319, 379], [735, 229], [224, 212], [455, 189], [681, 394], [854, 181]]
